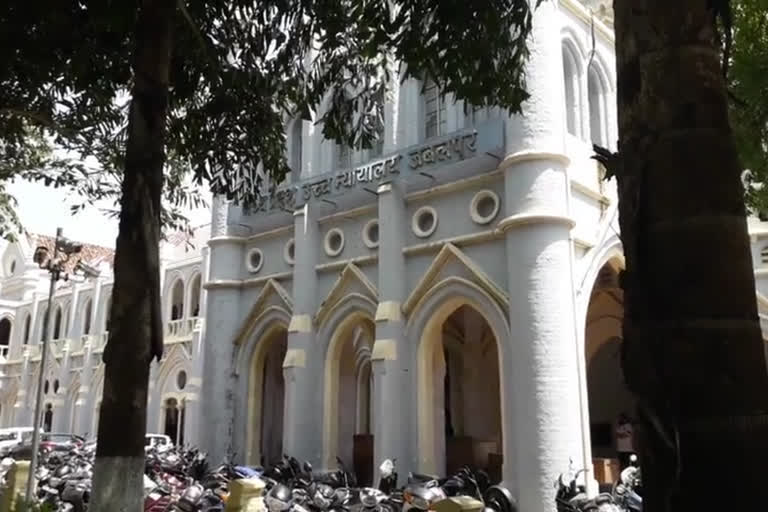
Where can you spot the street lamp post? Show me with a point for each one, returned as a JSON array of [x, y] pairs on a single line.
[[63, 249]]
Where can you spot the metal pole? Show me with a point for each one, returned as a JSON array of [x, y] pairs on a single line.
[[54, 271]]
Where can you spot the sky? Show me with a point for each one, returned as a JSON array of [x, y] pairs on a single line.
[[42, 209]]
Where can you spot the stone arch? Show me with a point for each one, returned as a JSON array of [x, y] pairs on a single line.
[[573, 70], [600, 329], [87, 316], [72, 393], [193, 296], [6, 326], [250, 360], [611, 251], [27, 328], [58, 322], [96, 393], [166, 389], [176, 299], [424, 330], [297, 142], [352, 311]]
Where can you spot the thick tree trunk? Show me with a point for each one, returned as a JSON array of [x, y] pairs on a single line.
[[135, 335], [693, 349]]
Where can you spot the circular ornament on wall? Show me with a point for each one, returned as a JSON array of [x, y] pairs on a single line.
[[289, 252], [334, 242], [424, 222], [484, 207], [254, 260], [371, 234]]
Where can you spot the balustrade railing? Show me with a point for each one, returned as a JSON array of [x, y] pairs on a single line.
[[183, 328]]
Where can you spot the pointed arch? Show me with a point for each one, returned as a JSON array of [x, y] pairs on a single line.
[[176, 310], [424, 329], [195, 289], [87, 314], [250, 360], [573, 91], [57, 323], [352, 311], [297, 147], [27, 328]]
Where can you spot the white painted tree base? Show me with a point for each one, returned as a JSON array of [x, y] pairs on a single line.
[[118, 485]]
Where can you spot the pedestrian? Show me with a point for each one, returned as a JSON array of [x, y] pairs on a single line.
[[625, 445]]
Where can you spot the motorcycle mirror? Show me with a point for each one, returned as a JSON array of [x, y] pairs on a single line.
[[308, 467]]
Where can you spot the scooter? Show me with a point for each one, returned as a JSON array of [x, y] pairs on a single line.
[[625, 489]]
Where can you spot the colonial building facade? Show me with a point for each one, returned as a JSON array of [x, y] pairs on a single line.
[[449, 296], [74, 373]]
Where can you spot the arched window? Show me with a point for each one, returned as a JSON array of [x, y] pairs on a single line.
[[376, 119], [87, 311], [572, 89], [343, 156], [44, 325], [435, 118], [194, 297], [5, 336], [597, 108], [108, 314], [296, 149], [27, 328], [177, 300], [57, 324]]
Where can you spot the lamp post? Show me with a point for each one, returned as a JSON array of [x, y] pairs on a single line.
[[63, 249]]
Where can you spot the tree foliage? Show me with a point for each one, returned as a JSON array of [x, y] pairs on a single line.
[[240, 69], [749, 94]]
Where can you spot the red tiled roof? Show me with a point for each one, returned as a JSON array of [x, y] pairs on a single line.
[[91, 254]]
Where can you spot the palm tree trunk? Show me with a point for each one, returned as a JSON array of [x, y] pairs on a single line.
[[135, 335], [693, 349]]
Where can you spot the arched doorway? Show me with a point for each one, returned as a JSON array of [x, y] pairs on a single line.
[[5, 336], [266, 398], [171, 421], [462, 373], [48, 418], [349, 387], [608, 395]]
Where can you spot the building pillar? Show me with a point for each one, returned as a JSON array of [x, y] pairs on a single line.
[[303, 363], [542, 381], [389, 359], [222, 314], [24, 413]]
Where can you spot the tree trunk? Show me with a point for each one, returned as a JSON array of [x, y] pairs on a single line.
[[135, 335], [693, 349]]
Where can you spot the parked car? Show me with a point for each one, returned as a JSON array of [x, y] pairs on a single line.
[[14, 439], [161, 441], [60, 442]]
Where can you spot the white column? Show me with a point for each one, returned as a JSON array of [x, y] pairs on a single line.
[[544, 419]]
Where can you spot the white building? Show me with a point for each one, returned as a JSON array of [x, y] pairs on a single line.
[[450, 296], [75, 372]]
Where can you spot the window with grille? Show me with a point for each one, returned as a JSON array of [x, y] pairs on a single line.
[[343, 156], [296, 149], [434, 111], [377, 119]]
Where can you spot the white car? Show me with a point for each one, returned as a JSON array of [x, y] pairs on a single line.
[[11, 438], [159, 441]]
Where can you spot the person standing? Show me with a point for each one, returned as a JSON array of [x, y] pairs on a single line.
[[625, 445]]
